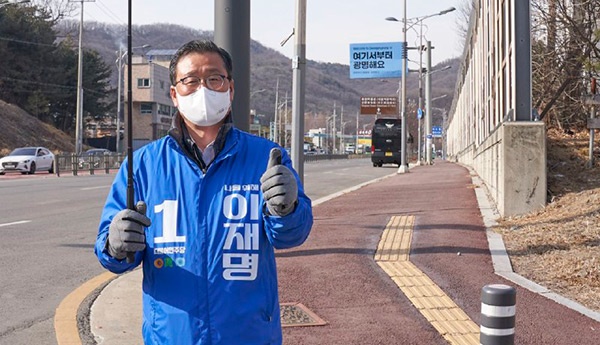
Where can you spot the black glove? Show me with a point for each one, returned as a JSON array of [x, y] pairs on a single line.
[[126, 232], [279, 186]]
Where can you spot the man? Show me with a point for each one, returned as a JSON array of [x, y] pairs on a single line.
[[219, 201]]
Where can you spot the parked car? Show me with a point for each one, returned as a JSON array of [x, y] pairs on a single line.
[[94, 158], [28, 160], [350, 148]]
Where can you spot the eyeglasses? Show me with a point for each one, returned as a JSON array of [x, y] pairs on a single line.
[[214, 82]]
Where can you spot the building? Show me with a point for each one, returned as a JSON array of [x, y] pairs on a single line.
[[152, 107]]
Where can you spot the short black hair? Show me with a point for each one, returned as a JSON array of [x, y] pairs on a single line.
[[199, 46]]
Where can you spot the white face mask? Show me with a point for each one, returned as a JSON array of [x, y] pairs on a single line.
[[204, 107]]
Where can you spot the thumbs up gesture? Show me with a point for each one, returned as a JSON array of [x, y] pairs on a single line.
[[279, 186]]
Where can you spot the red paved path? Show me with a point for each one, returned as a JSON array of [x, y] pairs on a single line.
[[335, 276]]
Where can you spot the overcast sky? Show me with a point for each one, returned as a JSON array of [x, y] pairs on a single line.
[[331, 25]]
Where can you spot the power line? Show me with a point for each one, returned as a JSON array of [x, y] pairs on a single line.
[[26, 42], [36, 83], [108, 12], [50, 84]]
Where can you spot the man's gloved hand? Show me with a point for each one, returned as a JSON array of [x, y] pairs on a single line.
[[126, 231], [279, 186]]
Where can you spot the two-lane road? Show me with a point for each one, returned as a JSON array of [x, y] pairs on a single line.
[[48, 227]]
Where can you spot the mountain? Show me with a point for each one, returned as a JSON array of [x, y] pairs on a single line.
[[326, 83]]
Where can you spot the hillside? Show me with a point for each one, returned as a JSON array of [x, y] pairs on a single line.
[[558, 246], [21, 129], [326, 83]]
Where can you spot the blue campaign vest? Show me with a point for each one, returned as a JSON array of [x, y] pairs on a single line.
[[209, 264]]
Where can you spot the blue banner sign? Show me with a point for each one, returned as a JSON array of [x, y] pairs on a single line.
[[436, 131], [376, 60]]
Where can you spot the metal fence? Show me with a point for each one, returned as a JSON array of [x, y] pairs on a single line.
[[72, 163]]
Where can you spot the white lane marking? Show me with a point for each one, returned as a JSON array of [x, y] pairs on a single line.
[[97, 187], [15, 223]]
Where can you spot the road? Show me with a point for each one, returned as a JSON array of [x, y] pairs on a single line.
[[48, 226]]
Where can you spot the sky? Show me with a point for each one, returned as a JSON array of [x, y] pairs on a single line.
[[331, 25]]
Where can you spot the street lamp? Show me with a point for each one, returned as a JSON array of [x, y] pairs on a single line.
[[330, 129], [413, 21], [281, 121], [403, 168], [120, 56], [428, 117], [79, 110]]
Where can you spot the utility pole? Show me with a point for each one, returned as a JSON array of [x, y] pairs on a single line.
[[79, 109], [420, 139], [119, 82], [285, 122], [342, 149], [333, 127], [356, 136], [428, 104], [276, 127], [232, 33], [403, 168], [120, 56], [299, 75]]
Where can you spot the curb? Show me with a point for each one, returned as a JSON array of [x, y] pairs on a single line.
[[501, 260], [66, 326]]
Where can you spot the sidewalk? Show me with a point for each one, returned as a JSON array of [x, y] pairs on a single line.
[[336, 277]]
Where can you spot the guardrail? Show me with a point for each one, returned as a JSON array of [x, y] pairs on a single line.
[[90, 164], [72, 163], [322, 157]]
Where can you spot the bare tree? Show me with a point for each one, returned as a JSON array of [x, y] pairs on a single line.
[[564, 44], [56, 9], [462, 19]]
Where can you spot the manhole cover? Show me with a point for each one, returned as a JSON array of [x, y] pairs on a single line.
[[296, 315]]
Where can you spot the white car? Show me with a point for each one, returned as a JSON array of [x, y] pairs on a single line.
[[28, 160]]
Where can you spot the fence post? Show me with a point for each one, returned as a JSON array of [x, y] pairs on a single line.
[[498, 306], [56, 165], [106, 167], [74, 163]]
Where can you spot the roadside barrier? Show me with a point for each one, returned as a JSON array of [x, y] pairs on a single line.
[[87, 164], [498, 307]]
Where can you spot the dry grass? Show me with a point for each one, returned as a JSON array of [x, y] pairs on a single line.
[[19, 129], [559, 246]]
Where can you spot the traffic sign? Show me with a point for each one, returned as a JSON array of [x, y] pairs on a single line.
[[379, 105], [419, 113], [436, 131]]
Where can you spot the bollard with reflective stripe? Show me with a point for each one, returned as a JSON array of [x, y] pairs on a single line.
[[497, 315]]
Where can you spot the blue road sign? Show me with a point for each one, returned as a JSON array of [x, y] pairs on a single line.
[[436, 131], [419, 113], [376, 60]]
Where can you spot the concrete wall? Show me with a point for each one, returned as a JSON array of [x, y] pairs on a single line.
[[489, 126], [512, 164]]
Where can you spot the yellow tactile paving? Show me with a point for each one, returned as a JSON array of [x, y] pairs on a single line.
[[395, 240], [444, 315]]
